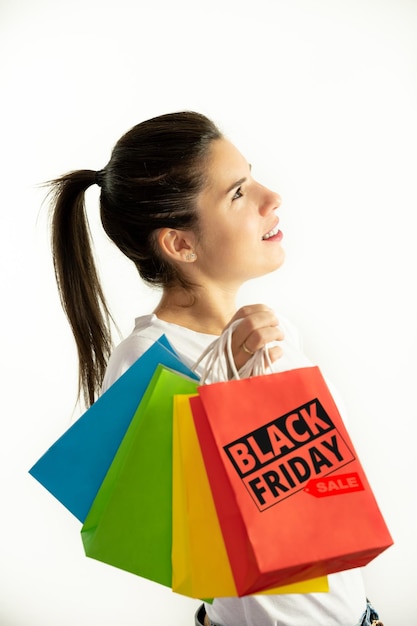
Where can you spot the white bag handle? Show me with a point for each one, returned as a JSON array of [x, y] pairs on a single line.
[[220, 365]]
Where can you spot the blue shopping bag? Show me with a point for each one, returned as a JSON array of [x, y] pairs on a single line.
[[74, 467]]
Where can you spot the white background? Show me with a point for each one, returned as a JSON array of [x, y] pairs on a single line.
[[321, 97]]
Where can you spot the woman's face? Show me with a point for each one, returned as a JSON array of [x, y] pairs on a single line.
[[238, 226]]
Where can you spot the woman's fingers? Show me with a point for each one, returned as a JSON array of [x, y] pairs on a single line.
[[259, 326], [256, 339]]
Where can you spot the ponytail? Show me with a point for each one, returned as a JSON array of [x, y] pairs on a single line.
[[78, 283]]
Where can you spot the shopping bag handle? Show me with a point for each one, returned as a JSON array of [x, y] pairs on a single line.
[[220, 365]]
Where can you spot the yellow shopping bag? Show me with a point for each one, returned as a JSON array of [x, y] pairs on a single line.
[[200, 565]]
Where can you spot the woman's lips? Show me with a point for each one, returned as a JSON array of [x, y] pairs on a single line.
[[273, 234], [278, 237]]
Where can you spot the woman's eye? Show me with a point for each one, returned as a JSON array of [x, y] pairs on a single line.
[[238, 193]]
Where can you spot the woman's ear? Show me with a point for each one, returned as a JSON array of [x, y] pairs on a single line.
[[177, 245]]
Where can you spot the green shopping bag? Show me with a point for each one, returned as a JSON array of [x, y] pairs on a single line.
[[129, 524]]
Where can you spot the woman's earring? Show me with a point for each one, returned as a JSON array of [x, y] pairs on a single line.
[[191, 256]]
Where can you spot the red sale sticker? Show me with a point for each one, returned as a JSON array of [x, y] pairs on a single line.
[[334, 485]]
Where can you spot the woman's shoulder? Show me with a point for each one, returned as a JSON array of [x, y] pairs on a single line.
[[128, 351], [187, 343]]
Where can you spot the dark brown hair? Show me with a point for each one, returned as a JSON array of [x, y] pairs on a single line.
[[154, 175]]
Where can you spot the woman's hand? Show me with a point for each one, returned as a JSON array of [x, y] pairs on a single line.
[[258, 327]]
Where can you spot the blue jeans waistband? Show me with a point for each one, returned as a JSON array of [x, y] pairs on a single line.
[[370, 617]]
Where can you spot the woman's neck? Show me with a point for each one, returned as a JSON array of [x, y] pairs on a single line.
[[202, 311]]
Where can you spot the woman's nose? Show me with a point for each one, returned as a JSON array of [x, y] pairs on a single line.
[[270, 200]]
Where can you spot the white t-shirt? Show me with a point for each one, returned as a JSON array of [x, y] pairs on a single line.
[[345, 602]]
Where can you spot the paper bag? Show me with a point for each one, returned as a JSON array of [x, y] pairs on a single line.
[[291, 495]]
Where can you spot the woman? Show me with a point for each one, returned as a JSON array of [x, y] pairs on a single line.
[[179, 200]]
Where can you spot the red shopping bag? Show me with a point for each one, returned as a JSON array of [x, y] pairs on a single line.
[[291, 495]]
